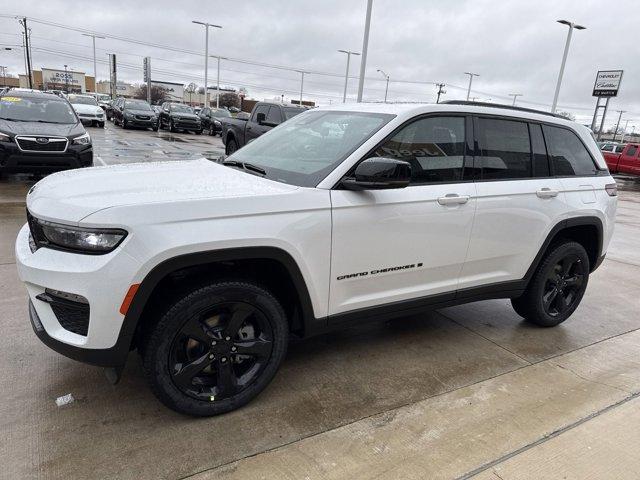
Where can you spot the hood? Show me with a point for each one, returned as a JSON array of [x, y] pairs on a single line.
[[82, 108], [148, 113], [70, 196], [41, 129], [184, 115]]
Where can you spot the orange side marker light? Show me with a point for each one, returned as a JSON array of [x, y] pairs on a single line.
[[128, 298]]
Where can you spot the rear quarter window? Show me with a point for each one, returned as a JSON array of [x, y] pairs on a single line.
[[569, 156]]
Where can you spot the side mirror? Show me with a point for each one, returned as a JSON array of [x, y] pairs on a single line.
[[260, 118], [378, 173]]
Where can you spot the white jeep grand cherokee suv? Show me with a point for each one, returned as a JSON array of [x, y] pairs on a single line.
[[339, 215]]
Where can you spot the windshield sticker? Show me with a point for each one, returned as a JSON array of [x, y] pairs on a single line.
[[11, 99]]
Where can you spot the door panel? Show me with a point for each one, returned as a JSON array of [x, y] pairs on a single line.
[[512, 220], [393, 245]]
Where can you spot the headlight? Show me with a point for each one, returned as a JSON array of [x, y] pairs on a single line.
[[83, 139], [80, 239], [128, 114], [217, 123], [5, 138]]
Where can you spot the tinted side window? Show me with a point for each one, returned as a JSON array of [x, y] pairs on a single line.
[[434, 147], [632, 150], [540, 160], [569, 156], [505, 150], [260, 109], [274, 115]]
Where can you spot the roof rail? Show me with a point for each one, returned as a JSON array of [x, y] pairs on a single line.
[[498, 105]]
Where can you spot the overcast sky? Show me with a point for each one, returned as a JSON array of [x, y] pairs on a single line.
[[515, 46]]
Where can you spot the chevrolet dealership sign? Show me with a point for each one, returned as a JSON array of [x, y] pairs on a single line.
[[607, 83]]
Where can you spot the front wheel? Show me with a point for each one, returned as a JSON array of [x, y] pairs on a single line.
[[172, 127], [216, 348], [557, 287], [100, 124], [232, 146], [198, 132]]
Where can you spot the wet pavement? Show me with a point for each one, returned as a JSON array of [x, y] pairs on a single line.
[[468, 391]]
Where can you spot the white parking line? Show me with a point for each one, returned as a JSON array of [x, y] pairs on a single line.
[[101, 161]]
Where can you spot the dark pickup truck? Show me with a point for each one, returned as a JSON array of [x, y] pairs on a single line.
[[237, 132]]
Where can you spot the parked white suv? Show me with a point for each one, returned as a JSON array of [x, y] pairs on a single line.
[[339, 215]]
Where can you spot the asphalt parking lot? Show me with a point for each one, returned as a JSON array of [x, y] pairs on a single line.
[[464, 392]]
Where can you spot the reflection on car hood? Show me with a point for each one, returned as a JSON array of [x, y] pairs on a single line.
[[149, 113], [184, 115], [71, 195], [39, 128]]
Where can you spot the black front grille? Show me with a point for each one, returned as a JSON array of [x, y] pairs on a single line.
[[72, 315], [143, 117], [30, 144]]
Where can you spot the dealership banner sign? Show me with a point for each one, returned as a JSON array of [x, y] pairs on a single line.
[[607, 83], [59, 79]]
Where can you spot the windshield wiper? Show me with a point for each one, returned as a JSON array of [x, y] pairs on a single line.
[[245, 166]]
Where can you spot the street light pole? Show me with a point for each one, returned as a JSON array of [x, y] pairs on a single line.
[[515, 95], [346, 75], [571, 26], [615, 132], [95, 70], [386, 89], [206, 56], [4, 75], [365, 46], [66, 80], [624, 131], [471, 75], [301, 86]]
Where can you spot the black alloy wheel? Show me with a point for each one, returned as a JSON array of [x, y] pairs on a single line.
[[557, 286], [563, 285], [216, 348], [232, 146], [220, 351]]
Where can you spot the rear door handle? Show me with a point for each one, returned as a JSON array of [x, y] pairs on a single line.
[[453, 199], [547, 193]]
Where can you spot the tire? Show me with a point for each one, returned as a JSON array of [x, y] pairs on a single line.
[[212, 131], [177, 351], [231, 147], [198, 132], [155, 129], [124, 123], [557, 286], [100, 124], [172, 128]]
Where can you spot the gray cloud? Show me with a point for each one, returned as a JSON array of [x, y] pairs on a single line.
[[515, 46]]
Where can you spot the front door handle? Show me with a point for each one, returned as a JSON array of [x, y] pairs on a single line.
[[547, 193], [453, 199]]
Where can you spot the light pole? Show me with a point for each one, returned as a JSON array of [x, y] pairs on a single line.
[[441, 91], [471, 75], [218, 80], [571, 26], [206, 56], [301, 85], [95, 70], [624, 131], [4, 75], [615, 132], [66, 80], [365, 46], [515, 95], [346, 75], [386, 89]]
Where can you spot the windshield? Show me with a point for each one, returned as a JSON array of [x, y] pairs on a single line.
[[178, 107], [221, 112], [137, 105], [77, 99], [291, 112], [33, 109], [302, 151]]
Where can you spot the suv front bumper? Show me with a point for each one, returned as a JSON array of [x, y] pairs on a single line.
[[102, 279]]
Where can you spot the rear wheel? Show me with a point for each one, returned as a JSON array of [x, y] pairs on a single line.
[[172, 127], [232, 146], [557, 287], [216, 348]]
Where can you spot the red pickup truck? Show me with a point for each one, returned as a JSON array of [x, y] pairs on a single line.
[[627, 161]]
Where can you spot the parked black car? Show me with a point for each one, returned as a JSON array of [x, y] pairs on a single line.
[[177, 116], [40, 132], [210, 119], [135, 113], [237, 132]]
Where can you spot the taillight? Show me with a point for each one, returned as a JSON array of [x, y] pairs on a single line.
[[612, 189]]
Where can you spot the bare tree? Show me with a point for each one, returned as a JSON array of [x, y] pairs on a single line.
[[191, 89], [158, 93], [229, 99], [567, 115]]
